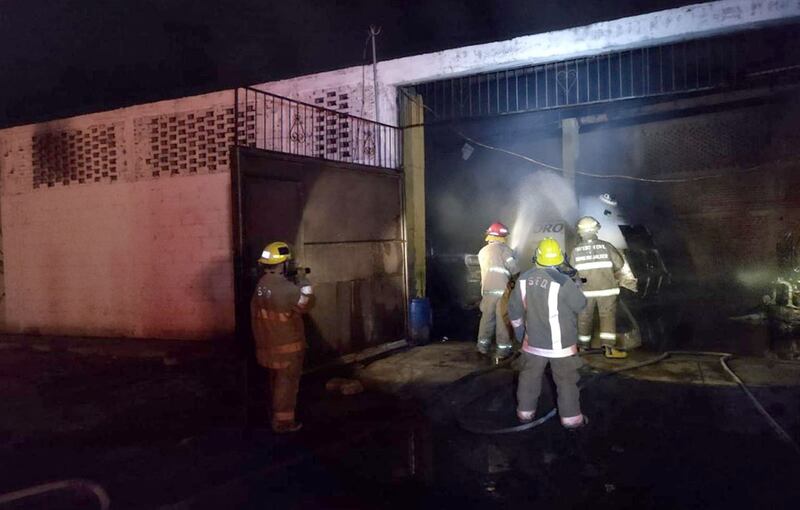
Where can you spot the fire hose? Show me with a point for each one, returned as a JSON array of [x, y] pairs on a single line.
[[724, 357]]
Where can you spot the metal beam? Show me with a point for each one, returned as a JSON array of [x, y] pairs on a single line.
[[689, 103], [698, 66]]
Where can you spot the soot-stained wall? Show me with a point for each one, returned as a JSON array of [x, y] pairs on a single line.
[[119, 223], [348, 231]]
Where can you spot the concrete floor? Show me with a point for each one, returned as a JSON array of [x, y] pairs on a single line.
[[674, 435], [171, 435], [420, 369]]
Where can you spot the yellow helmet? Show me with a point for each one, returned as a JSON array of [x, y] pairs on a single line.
[[275, 253], [549, 253]]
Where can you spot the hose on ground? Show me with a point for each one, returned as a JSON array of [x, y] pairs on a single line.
[[96, 489], [550, 414], [785, 437], [724, 357]]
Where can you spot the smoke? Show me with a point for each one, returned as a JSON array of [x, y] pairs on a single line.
[[756, 278], [544, 198], [540, 198]]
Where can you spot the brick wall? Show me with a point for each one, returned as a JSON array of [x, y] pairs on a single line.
[[722, 228], [119, 223]]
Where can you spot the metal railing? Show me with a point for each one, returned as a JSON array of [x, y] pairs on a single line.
[[271, 122], [691, 66]]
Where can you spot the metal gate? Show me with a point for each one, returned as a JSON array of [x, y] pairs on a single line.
[[329, 184]]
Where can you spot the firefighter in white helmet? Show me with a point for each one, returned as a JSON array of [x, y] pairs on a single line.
[[275, 313], [601, 267], [498, 271]]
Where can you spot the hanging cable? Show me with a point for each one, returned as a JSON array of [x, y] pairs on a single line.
[[558, 169]]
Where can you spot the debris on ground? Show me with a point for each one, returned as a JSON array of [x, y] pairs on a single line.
[[344, 386]]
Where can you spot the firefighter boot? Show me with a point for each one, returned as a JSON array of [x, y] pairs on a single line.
[[526, 416], [612, 353], [578, 426], [504, 352], [483, 346]]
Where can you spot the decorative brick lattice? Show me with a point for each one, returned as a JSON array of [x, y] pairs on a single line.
[[333, 133], [246, 124], [187, 143], [77, 156]]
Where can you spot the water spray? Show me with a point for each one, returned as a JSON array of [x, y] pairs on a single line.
[[544, 205]]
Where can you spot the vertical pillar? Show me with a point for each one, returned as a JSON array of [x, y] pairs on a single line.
[[414, 171], [569, 149]]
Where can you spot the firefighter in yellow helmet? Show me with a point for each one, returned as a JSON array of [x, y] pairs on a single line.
[[276, 309], [543, 310], [601, 266]]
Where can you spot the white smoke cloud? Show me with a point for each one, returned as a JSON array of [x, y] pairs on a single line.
[[610, 218], [542, 197]]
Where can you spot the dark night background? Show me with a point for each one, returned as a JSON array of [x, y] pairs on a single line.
[[65, 57]]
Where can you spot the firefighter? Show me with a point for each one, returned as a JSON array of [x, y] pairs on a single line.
[[543, 310], [601, 267], [276, 315], [498, 272]]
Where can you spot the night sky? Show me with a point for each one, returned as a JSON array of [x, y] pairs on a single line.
[[64, 57]]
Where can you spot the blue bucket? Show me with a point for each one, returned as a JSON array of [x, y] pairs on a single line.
[[420, 321]]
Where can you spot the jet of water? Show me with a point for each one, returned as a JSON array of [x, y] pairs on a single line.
[[542, 198]]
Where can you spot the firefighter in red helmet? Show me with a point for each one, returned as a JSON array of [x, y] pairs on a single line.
[[498, 271]]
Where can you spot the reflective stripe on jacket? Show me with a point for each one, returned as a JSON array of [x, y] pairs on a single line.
[[276, 310], [597, 262], [543, 310], [498, 265]]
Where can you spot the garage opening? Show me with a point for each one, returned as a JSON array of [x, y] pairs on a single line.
[[687, 153]]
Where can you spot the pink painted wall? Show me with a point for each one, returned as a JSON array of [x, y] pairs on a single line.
[[140, 255]]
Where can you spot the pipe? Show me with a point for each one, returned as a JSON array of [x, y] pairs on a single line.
[[93, 487], [789, 292]]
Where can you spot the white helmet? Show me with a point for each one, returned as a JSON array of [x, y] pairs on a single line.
[[608, 199], [587, 226]]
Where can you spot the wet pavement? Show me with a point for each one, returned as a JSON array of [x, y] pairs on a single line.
[[172, 435]]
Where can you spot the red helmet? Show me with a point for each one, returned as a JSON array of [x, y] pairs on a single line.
[[497, 229]]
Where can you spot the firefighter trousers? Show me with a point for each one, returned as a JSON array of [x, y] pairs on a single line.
[[565, 375], [284, 383], [607, 310], [494, 323]]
